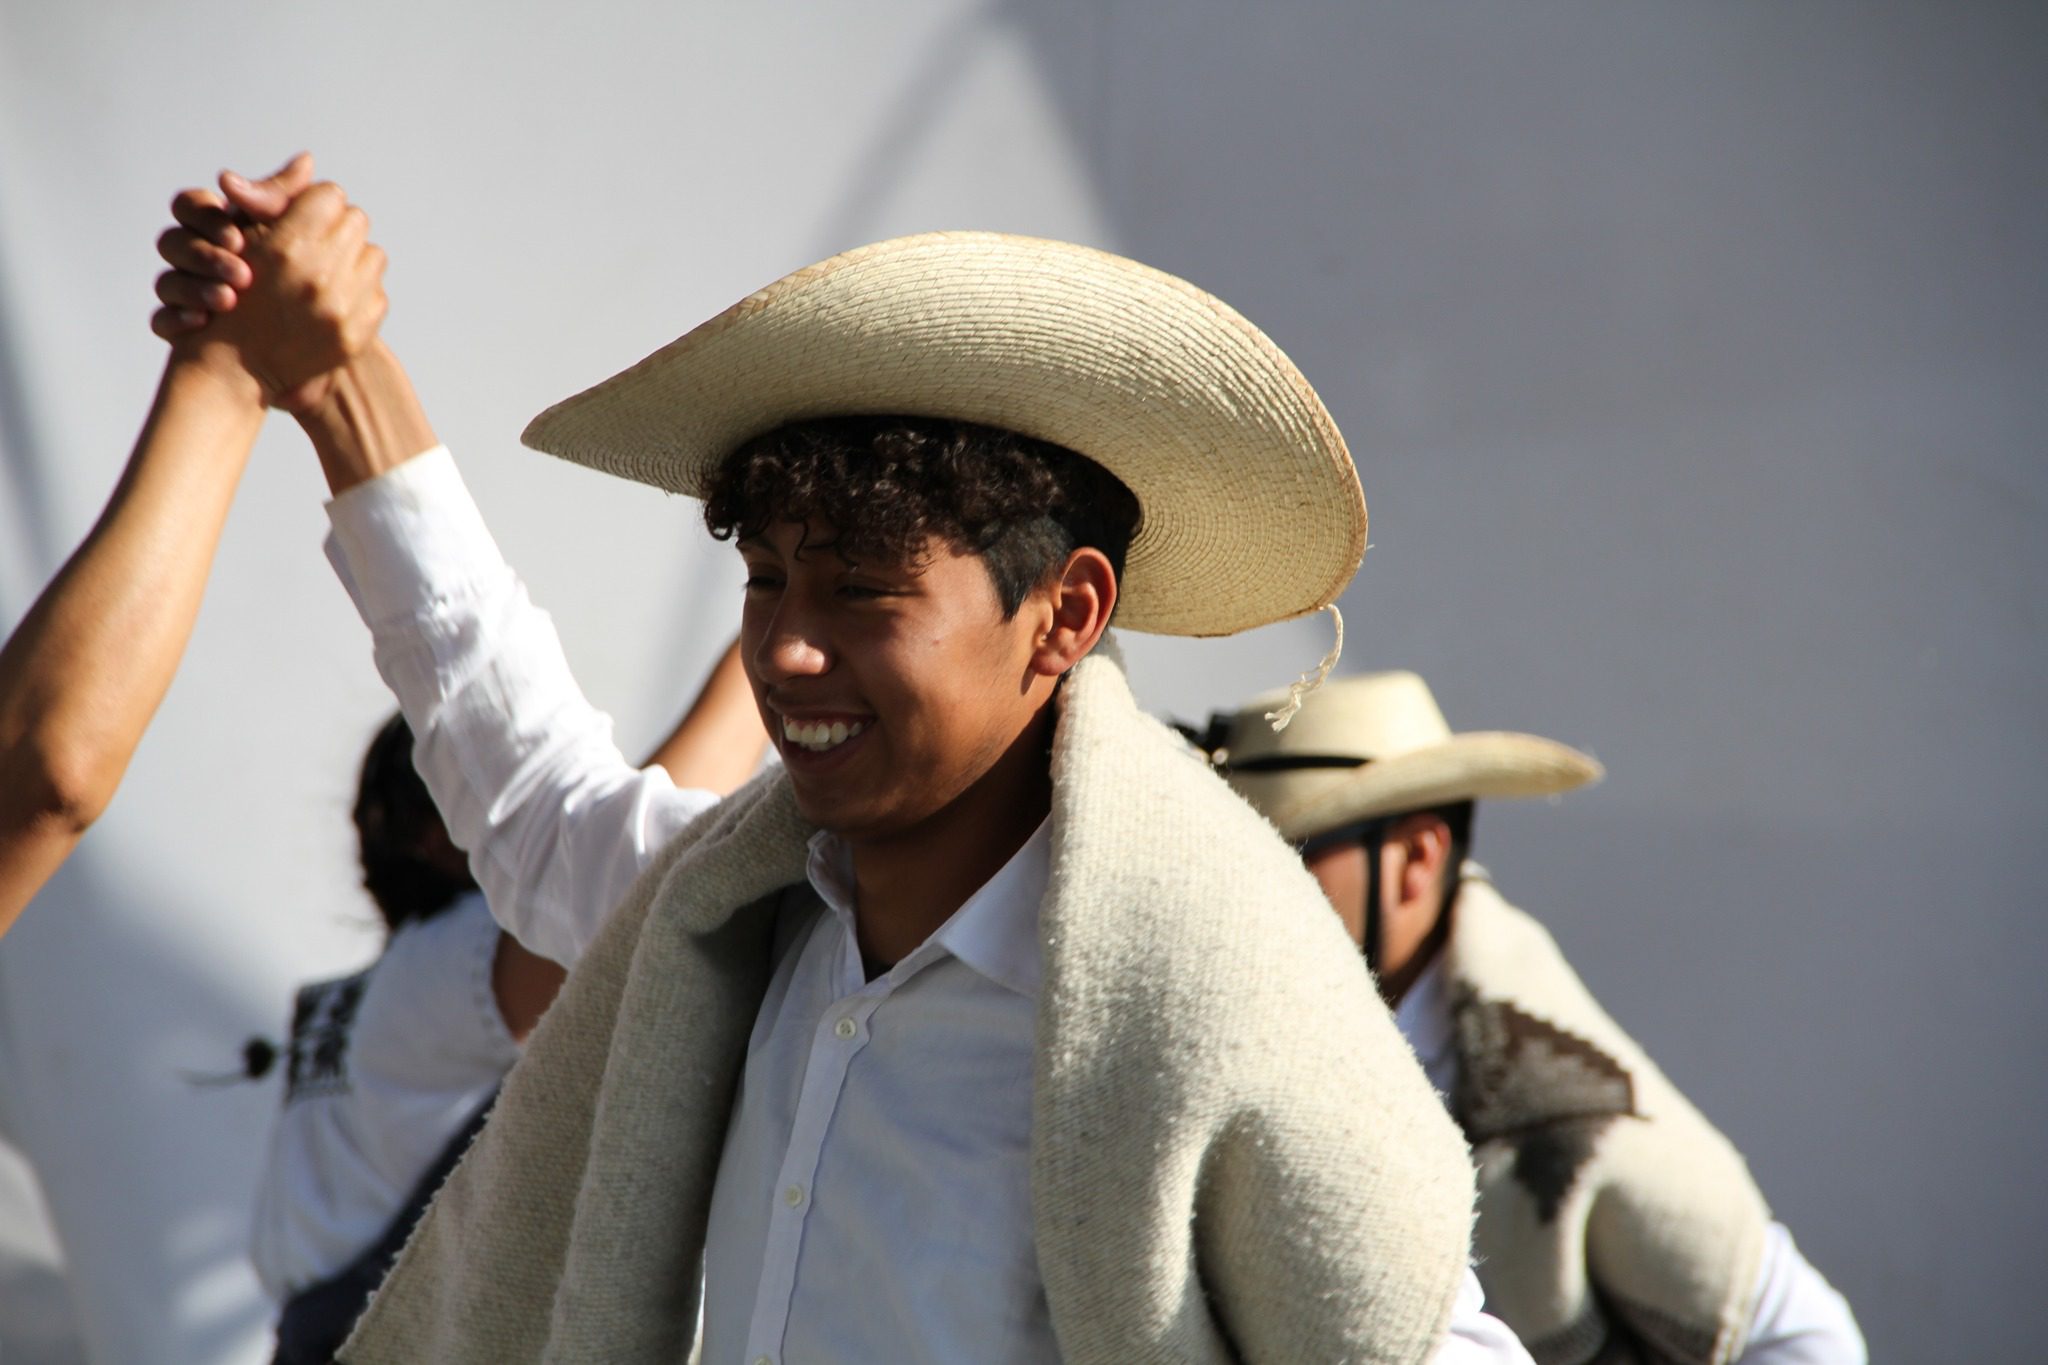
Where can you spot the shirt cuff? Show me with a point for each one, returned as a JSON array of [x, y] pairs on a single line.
[[409, 538]]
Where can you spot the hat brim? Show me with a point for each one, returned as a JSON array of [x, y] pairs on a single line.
[[1479, 765], [1252, 509]]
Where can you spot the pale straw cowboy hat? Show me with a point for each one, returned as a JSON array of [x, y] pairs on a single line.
[[1377, 745], [1252, 510]]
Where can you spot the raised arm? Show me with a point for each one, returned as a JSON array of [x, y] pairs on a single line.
[[86, 668], [715, 748], [719, 742], [556, 822]]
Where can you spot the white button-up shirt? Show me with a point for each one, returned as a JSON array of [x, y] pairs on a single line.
[[873, 1200], [829, 1173]]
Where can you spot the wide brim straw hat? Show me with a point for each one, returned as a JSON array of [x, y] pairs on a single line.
[[1251, 507], [1378, 745]]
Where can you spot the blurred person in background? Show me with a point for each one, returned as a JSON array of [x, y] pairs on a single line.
[[1615, 1223], [389, 1072]]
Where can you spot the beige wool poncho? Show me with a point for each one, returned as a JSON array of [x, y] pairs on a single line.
[[1234, 1155], [1616, 1225]]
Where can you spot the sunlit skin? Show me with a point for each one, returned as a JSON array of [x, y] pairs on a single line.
[[950, 772], [1414, 858]]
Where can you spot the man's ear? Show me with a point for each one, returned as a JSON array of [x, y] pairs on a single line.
[[1081, 599], [1425, 838]]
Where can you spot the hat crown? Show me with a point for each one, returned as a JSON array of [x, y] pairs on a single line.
[[1371, 716], [1252, 511], [1377, 745]]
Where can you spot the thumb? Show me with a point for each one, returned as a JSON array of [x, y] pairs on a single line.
[[266, 200]]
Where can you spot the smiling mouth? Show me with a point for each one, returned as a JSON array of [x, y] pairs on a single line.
[[819, 737]]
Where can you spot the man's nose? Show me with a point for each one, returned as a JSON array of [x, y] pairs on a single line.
[[793, 644]]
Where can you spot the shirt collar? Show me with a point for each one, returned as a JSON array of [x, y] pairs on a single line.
[[1424, 1014], [995, 930]]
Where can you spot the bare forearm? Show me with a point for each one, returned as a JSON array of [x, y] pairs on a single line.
[[89, 664], [370, 422], [720, 741]]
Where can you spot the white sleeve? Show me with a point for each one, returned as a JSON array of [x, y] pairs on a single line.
[[1800, 1318], [1477, 1338], [556, 822]]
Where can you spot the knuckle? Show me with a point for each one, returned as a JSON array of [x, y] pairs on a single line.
[[195, 208]]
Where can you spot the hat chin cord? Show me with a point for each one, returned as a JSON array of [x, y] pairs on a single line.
[[1369, 940], [1298, 690], [1369, 836]]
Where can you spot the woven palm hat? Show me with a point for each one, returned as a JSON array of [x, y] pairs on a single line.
[[1377, 744], [1251, 507]]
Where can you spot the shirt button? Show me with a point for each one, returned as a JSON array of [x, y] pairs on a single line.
[[763, 1360], [793, 1196], [846, 1028]]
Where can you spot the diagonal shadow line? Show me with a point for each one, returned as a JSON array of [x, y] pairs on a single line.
[[941, 74], [29, 496], [938, 77]]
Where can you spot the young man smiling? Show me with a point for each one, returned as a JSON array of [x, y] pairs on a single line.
[[882, 641], [950, 1040]]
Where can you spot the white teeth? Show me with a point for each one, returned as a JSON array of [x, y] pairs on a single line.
[[818, 736]]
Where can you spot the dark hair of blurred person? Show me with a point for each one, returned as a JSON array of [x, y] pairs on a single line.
[[410, 868]]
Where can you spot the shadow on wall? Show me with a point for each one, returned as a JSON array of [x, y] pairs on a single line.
[[148, 1174], [942, 75], [1612, 311], [38, 1325], [25, 494]]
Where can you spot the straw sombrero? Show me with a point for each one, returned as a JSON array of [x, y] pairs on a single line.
[[1377, 745], [1252, 510]]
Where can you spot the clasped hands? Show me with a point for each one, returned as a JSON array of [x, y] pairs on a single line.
[[274, 284]]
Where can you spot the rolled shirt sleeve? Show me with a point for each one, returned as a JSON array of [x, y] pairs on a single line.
[[1800, 1318], [1475, 1336], [556, 822]]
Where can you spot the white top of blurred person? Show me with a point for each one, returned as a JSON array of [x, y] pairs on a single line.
[[383, 1068]]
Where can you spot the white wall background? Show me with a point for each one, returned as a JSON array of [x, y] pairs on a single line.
[[1695, 359]]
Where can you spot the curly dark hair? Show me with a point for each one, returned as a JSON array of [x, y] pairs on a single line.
[[409, 868], [887, 485]]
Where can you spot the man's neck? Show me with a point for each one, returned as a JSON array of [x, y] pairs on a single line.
[[906, 886], [1396, 983]]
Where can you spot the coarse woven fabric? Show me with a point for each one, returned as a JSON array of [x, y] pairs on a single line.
[[1253, 512], [1234, 1155], [1615, 1223]]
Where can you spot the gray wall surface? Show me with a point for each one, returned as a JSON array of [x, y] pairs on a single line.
[[1695, 359]]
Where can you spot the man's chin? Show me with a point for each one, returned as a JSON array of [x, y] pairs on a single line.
[[832, 812], [846, 817]]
